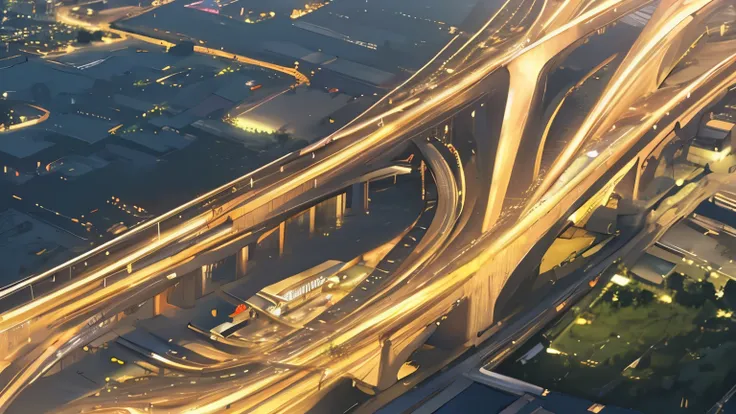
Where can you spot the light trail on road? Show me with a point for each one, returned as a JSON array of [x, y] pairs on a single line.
[[631, 76], [63, 16], [409, 308]]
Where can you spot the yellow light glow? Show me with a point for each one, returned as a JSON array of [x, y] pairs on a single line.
[[620, 280], [251, 125], [665, 299], [722, 313]]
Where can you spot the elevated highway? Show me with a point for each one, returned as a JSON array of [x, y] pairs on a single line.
[[370, 342], [63, 15]]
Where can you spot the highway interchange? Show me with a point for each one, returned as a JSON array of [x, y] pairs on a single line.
[[293, 372]]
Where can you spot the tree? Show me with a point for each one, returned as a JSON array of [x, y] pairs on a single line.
[[644, 297], [685, 299], [696, 295], [729, 294], [625, 298], [84, 36], [707, 289], [282, 139], [676, 282]]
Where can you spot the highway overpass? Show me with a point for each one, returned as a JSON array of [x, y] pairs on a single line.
[[464, 263]]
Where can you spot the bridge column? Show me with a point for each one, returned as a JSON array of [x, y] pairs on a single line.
[[360, 198], [523, 73], [447, 131], [161, 301], [394, 353], [638, 170], [241, 261], [628, 186], [282, 237], [205, 278], [312, 220], [423, 172], [187, 291], [340, 201]]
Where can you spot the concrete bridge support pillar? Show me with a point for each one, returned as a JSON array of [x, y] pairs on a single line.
[[241, 261], [340, 200], [423, 173], [482, 295], [394, 353], [329, 213], [382, 369], [523, 73], [282, 237], [447, 131], [161, 301], [205, 278], [187, 291], [360, 198], [312, 220], [484, 289], [628, 186], [638, 170]]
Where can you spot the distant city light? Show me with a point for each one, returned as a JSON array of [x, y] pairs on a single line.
[[620, 280], [251, 125], [722, 313], [665, 299]]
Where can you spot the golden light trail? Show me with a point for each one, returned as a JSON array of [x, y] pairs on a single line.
[[109, 245], [54, 343], [162, 79], [413, 113], [340, 132], [556, 15], [644, 126], [329, 138], [64, 17], [235, 396], [105, 271], [300, 77], [526, 71], [454, 278], [31, 122], [373, 121], [625, 80], [362, 333], [550, 122], [465, 271], [482, 29]]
